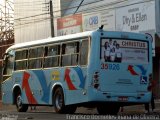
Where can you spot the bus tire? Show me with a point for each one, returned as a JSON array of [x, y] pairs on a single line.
[[108, 109], [59, 104], [58, 101], [20, 106]]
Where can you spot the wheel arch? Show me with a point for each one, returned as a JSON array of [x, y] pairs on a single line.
[[15, 90], [54, 87]]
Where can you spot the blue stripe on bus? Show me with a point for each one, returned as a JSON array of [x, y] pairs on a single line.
[[142, 69], [45, 88], [81, 77]]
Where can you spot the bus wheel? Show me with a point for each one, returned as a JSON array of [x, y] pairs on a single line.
[[58, 102], [20, 106], [108, 109]]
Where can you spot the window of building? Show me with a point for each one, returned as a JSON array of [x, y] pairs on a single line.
[[70, 54]]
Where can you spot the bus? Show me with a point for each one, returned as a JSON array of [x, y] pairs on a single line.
[[101, 69]]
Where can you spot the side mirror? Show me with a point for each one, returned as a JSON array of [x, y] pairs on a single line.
[[3, 56]]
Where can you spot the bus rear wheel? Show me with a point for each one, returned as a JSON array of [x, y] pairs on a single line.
[[59, 105], [19, 104], [108, 109]]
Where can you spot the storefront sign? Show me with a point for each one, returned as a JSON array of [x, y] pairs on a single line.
[[91, 21], [108, 19], [136, 18], [94, 20], [69, 25]]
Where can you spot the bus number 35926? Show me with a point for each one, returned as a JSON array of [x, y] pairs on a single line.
[[110, 66]]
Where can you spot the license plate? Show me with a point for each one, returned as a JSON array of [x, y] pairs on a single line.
[[122, 98]]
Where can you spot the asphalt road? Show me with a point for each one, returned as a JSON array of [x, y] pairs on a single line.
[[8, 112]]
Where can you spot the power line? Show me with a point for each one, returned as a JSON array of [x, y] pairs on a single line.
[[95, 8], [31, 16], [36, 21], [60, 10], [79, 6], [28, 5], [67, 8], [29, 2]]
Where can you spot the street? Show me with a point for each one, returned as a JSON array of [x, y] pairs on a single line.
[[8, 112]]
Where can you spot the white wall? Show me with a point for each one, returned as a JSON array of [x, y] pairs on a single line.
[[29, 28], [56, 8], [32, 19]]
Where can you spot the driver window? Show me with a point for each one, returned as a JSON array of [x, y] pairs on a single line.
[[8, 67]]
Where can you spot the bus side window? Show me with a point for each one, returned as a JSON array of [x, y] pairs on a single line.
[[75, 55], [52, 56], [21, 58], [66, 58], [36, 52], [35, 57], [21, 54], [84, 52], [70, 53]]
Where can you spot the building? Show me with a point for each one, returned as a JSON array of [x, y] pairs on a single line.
[[33, 18]]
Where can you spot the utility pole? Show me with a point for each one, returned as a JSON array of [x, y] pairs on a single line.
[[51, 18]]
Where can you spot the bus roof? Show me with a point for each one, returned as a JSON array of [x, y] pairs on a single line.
[[63, 38], [49, 40]]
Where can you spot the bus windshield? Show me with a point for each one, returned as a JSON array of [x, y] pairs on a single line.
[[124, 51], [8, 64]]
